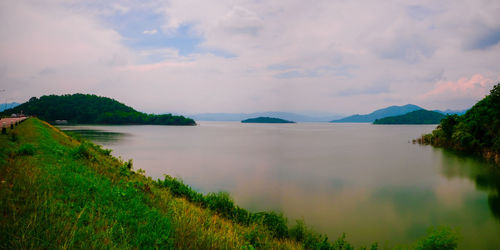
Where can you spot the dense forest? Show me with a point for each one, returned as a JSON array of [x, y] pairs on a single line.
[[91, 109], [477, 131], [421, 116], [266, 120]]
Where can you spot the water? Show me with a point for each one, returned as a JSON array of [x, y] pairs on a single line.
[[365, 180]]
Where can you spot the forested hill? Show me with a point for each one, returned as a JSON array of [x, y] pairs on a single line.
[[477, 131], [421, 116], [91, 109]]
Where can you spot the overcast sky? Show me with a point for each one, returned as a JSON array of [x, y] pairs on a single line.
[[190, 57]]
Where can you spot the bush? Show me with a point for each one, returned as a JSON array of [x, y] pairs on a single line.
[[81, 151], [221, 203], [26, 149], [440, 238], [126, 168], [276, 223]]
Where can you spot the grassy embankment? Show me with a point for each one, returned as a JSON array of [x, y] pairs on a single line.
[[59, 192]]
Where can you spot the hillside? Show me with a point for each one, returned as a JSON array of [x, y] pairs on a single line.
[[421, 116], [91, 109], [477, 131], [380, 113], [266, 120]]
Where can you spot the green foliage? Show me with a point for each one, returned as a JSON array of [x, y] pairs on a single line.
[[126, 168], [448, 125], [421, 116], [276, 223], [441, 238], [91, 109], [26, 149], [477, 131], [82, 152]]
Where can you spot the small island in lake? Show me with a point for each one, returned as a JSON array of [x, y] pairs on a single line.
[[266, 120], [421, 116]]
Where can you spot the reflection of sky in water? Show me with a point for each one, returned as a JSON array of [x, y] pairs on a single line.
[[364, 180]]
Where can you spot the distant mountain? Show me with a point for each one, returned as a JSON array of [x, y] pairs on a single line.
[[421, 116], [9, 105], [91, 109], [266, 120], [380, 113], [281, 115]]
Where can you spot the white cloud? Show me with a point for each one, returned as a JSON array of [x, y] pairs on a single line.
[[150, 32]]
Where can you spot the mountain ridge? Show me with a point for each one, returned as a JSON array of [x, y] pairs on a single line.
[[379, 113]]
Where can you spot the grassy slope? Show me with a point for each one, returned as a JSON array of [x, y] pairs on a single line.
[[66, 196], [56, 192]]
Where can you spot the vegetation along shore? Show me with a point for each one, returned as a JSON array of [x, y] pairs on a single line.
[[476, 132]]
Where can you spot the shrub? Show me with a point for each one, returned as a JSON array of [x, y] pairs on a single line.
[[126, 168], [276, 223], [440, 238], [221, 203], [81, 151], [26, 149]]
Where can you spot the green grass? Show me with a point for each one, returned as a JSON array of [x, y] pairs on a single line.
[[60, 192]]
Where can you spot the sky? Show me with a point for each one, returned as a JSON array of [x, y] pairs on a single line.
[[185, 56]]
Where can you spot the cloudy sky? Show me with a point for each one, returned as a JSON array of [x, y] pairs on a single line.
[[190, 57]]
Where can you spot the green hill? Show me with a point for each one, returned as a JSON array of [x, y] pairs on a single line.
[[421, 116], [477, 131], [91, 109], [266, 120]]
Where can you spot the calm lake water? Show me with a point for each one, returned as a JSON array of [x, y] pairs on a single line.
[[365, 180]]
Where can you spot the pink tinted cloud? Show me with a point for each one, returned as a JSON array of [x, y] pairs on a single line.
[[476, 86]]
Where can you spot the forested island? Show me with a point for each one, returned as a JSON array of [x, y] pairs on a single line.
[[266, 120], [421, 116], [476, 132], [91, 109]]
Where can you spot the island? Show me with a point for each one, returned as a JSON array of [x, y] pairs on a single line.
[[91, 109], [421, 116], [266, 120]]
